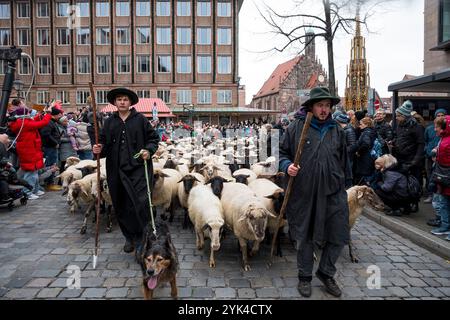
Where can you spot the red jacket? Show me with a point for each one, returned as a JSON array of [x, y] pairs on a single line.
[[29, 144], [443, 152]]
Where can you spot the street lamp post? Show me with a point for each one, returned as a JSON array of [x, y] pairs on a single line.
[[190, 109], [18, 86]]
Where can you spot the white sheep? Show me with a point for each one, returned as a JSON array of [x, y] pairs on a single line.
[[86, 163], [68, 176], [246, 215], [165, 190], [70, 161], [243, 175], [81, 191], [264, 168], [185, 186], [358, 197], [206, 214], [272, 196]]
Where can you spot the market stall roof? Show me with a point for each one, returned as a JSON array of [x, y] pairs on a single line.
[[435, 82], [145, 106]]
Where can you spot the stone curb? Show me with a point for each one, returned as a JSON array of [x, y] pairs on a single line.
[[428, 241]]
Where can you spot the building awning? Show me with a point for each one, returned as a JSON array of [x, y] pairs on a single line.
[[222, 110], [438, 82], [145, 106]]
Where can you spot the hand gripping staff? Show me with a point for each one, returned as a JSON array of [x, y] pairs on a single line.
[[94, 110], [297, 158], [149, 194]]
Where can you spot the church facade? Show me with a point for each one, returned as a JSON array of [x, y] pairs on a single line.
[[289, 84]]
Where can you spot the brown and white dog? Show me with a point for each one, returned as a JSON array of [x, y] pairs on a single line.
[[159, 261]]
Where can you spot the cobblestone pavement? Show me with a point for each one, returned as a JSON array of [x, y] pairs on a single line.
[[38, 241]]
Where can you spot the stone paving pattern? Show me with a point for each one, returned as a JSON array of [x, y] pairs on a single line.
[[38, 241]]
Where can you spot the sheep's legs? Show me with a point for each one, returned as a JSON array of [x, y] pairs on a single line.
[[75, 206], [212, 262], [279, 253], [353, 258], [186, 219], [84, 226], [255, 248], [200, 240], [243, 246], [109, 219], [172, 211]]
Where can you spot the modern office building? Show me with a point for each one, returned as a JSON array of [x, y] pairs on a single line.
[[184, 52]]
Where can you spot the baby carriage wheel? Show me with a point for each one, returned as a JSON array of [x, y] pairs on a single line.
[[10, 206], [23, 201]]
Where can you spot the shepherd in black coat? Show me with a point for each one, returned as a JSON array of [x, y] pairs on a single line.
[[317, 210], [125, 134]]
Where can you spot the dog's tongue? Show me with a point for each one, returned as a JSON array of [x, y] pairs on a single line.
[[152, 282]]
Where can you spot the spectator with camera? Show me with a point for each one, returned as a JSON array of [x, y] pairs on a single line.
[[29, 147]]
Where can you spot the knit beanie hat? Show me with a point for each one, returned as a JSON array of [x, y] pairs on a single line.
[[441, 110], [360, 114], [342, 118], [405, 109], [335, 114]]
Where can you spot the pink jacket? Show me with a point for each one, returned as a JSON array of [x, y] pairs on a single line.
[[443, 152]]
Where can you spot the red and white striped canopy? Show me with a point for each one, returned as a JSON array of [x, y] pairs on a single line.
[[145, 106]]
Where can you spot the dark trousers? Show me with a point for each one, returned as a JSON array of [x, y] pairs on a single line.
[[428, 170], [4, 189], [305, 259], [392, 200], [126, 217], [417, 172]]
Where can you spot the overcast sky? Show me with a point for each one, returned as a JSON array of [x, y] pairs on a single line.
[[394, 44]]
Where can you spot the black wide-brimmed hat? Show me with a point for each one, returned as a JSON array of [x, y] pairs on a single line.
[[320, 93], [111, 96]]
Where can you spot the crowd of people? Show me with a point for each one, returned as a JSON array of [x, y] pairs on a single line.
[[400, 165], [39, 143], [393, 162]]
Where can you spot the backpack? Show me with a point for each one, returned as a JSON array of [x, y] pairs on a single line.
[[414, 187], [377, 149]]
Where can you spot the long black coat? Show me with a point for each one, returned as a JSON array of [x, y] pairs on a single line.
[[139, 135], [317, 208], [50, 135], [363, 162], [409, 143]]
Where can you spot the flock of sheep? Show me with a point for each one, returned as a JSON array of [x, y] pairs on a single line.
[[218, 184]]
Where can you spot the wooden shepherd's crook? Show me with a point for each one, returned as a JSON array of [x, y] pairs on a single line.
[[97, 156], [297, 158]]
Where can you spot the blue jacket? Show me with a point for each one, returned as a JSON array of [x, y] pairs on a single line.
[[431, 140]]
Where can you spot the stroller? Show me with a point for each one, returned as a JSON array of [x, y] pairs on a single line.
[[15, 186]]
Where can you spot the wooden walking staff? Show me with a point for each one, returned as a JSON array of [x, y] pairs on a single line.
[[94, 110], [297, 158]]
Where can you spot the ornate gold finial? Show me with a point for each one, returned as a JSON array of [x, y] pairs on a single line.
[[357, 82]]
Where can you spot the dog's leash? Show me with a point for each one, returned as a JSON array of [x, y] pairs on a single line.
[[149, 195]]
